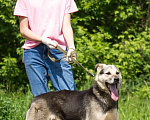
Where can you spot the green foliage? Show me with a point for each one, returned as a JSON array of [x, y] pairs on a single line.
[[9, 68], [131, 56], [114, 32], [6, 109], [13, 106], [107, 31], [113, 15], [10, 74], [9, 29]]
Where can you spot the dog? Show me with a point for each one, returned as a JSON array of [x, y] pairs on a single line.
[[100, 102]]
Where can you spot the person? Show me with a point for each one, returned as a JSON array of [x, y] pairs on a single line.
[[46, 24]]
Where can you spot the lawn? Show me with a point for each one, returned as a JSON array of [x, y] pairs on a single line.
[[13, 106]]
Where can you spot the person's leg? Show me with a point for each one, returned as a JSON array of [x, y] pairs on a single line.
[[60, 72], [36, 70]]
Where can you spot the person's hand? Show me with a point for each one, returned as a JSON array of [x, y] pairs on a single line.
[[50, 43], [69, 53]]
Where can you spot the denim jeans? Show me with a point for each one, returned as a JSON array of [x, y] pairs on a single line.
[[40, 68]]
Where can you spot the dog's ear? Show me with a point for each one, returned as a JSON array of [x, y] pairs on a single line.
[[99, 66]]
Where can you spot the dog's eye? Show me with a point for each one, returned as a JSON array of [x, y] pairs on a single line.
[[117, 73], [108, 73]]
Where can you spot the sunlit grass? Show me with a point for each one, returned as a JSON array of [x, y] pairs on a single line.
[[13, 106]]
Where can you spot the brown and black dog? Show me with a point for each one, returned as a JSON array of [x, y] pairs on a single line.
[[97, 103]]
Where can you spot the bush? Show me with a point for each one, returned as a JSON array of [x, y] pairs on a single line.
[[113, 32], [131, 55], [109, 31], [10, 74]]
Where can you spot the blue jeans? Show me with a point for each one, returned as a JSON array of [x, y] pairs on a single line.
[[40, 68]]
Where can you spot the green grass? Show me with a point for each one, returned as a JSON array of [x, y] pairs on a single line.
[[132, 107], [13, 106]]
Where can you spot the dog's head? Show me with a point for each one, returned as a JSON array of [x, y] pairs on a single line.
[[108, 77]]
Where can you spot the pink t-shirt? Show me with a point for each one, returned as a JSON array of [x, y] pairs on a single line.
[[45, 18]]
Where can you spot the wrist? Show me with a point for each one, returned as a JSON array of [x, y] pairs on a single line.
[[45, 40], [72, 47]]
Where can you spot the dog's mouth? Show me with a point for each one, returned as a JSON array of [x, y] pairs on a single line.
[[113, 91]]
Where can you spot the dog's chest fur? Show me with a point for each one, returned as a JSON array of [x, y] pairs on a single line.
[[95, 112]]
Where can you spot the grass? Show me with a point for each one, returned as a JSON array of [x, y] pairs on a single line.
[[13, 106], [132, 107]]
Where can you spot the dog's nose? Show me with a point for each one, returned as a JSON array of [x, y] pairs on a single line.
[[116, 79]]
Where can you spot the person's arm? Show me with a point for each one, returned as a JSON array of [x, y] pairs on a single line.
[[28, 34], [68, 34], [67, 30]]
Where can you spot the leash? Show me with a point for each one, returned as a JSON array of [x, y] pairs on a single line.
[[73, 54]]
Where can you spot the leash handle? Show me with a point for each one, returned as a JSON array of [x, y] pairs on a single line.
[[65, 54], [57, 60]]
